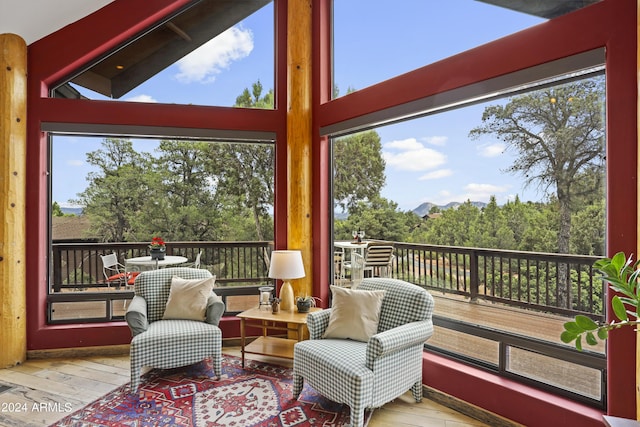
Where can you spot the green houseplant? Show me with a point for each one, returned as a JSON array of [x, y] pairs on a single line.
[[621, 273], [305, 303]]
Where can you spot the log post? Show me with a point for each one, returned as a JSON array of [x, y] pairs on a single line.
[[299, 138], [13, 142]]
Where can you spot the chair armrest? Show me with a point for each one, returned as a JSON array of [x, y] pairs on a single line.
[[215, 310], [136, 315], [397, 339], [317, 323]]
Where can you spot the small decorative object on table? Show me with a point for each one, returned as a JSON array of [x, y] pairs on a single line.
[[275, 305], [265, 296], [157, 248], [305, 303]]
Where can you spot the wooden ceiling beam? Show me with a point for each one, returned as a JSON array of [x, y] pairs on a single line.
[[173, 27]]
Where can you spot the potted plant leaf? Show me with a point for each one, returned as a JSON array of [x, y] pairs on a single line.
[[305, 303], [621, 273]]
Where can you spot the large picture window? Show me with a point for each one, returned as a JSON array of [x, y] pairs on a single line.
[[210, 201], [496, 207]]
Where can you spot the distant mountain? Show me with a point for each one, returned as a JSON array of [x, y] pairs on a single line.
[[424, 208], [74, 211]]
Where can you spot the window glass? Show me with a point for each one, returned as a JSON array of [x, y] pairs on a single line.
[[377, 40], [211, 202], [480, 215], [201, 56]]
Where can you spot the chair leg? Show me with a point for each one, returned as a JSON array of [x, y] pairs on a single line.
[[357, 416], [135, 377], [298, 383], [416, 390], [217, 364]]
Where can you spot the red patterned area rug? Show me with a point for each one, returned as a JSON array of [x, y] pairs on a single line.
[[260, 395]]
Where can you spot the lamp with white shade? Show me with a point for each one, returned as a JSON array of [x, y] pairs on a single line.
[[286, 265]]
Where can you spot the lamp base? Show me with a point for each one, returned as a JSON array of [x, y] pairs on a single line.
[[286, 297]]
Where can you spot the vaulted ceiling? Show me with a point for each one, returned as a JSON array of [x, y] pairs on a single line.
[[171, 40]]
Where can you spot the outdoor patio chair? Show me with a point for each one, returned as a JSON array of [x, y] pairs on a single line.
[[114, 272], [174, 318], [196, 263], [338, 268], [378, 331], [376, 262]]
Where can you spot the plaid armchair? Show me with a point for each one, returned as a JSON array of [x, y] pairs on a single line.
[[165, 344], [369, 374]]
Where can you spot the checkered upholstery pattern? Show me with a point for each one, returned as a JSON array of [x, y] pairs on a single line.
[[169, 343], [368, 375]]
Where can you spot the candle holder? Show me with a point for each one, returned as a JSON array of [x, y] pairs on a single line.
[[265, 297]]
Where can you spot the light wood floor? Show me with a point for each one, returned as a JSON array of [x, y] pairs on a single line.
[[42, 391]]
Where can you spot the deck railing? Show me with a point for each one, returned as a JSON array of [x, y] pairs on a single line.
[[544, 282], [548, 283], [80, 294], [78, 265], [554, 283]]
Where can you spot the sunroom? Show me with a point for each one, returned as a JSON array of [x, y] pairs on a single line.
[[597, 40]]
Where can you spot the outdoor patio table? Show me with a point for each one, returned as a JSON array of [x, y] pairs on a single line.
[[145, 263], [351, 246]]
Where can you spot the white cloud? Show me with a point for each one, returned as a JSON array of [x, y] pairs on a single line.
[[440, 173], [483, 191], [75, 163], [474, 192], [404, 144], [491, 150], [142, 98], [203, 64], [436, 140], [412, 155]]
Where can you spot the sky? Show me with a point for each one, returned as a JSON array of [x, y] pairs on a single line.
[[430, 159]]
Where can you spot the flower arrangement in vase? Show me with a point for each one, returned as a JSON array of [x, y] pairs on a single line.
[[157, 248]]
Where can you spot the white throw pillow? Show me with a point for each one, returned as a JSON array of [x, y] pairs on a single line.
[[354, 314], [188, 298]]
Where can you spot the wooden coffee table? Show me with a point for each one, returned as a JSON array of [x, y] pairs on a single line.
[[266, 320]]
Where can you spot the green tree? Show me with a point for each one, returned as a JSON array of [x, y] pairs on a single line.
[[558, 135], [248, 169], [358, 169], [181, 203], [588, 227], [492, 230], [455, 227], [56, 210], [540, 235], [247, 177], [254, 99], [117, 189], [380, 219]]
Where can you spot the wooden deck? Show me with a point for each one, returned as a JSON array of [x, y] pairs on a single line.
[[543, 326]]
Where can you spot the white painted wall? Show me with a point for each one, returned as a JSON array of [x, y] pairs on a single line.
[[35, 19]]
